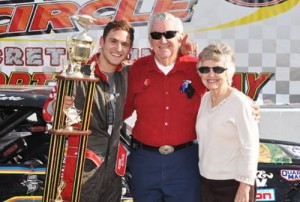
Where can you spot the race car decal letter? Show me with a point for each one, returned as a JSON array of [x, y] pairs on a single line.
[[290, 175]]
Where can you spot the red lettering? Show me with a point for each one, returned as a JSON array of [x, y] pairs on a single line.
[[103, 9], [177, 8], [19, 78], [44, 17], [5, 14], [24, 78], [255, 82], [21, 18], [57, 14], [128, 10], [3, 78], [238, 81], [40, 78], [264, 196]]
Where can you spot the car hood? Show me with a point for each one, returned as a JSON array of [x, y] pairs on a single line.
[[277, 151], [23, 96]]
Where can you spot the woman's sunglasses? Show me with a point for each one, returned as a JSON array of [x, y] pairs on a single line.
[[216, 69], [167, 35]]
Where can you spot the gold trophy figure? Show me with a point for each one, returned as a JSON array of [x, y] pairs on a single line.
[[81, 45], [80, 48]]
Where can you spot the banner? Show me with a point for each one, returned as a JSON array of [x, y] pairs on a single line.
[[263, 33]]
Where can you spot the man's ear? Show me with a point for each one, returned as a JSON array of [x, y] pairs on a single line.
[[101, 42]]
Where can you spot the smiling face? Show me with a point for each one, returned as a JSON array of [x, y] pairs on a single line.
[[211, 80], [217, 54], [166, 50], [115, 49]]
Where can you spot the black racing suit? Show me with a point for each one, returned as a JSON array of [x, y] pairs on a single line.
[[102, 183]]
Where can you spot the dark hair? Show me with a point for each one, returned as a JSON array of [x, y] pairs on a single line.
[[119, 25]]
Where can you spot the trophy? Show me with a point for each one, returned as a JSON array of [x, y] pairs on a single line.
[[71, 125]]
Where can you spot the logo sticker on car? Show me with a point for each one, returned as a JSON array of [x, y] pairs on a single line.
[[290, 175], [32, 183], [265, 195], [11, 98], [262, 178]]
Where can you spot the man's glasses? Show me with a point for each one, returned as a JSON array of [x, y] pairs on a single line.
[[167, 35], [216, 69]]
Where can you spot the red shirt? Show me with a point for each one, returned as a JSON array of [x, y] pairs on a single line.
[[165, 116]]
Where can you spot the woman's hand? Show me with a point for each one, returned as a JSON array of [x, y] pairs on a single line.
[[256, 111], [243, 192]]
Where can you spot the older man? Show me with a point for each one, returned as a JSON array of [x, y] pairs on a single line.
[[165, 90]]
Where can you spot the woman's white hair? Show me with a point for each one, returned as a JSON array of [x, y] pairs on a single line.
[[219, 51]]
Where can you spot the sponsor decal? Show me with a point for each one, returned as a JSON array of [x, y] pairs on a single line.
[[10, 98], [265, 195], [293, 150], [290, 175], [262, 178], [32, 183], [121, 160]]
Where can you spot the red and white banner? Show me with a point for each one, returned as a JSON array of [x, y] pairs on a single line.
[[263, 33]]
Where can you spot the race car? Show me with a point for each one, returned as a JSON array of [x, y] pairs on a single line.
[[24, 144], [278, 176]]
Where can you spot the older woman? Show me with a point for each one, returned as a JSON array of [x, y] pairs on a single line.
[[226, 131]]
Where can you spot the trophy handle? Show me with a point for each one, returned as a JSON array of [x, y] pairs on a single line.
[[71, 66], [59, 191]]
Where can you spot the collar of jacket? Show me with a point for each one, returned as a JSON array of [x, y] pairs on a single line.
[[98, 71]]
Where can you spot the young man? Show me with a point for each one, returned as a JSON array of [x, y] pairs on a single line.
[[101, 183]]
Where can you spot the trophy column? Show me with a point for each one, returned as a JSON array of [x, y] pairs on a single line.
[[70, 123]]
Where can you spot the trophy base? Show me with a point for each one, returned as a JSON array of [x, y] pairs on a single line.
[[73, 132], [74, 78]]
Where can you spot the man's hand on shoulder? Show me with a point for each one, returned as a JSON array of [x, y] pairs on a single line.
[[188, 47]]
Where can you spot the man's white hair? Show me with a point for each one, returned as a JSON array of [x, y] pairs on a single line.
[[165, 16]]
